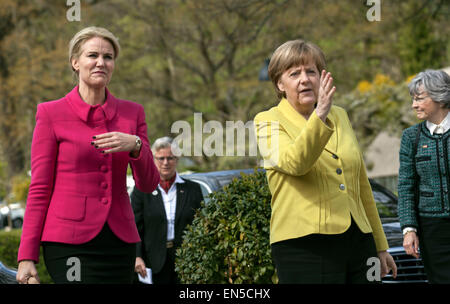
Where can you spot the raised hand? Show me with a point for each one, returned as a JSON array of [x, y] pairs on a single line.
[[325, 98]]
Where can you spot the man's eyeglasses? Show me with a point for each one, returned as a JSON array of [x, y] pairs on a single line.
[[168, 158]]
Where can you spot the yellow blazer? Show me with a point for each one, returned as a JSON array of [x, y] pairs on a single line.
[[316, 175]]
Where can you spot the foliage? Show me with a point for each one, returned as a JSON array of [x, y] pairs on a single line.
[[198, 56], [3, 184], [34, 68], [419, 44], [9, 246], [378, 105], [20, 185], [228, 241], [185, 56]]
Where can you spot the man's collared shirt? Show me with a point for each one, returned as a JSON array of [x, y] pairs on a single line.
[[170, 204]]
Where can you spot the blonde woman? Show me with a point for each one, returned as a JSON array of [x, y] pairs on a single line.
[[78, 206]]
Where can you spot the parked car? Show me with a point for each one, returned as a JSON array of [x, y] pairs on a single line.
[[410, 269], [7, 275], [15, 211]]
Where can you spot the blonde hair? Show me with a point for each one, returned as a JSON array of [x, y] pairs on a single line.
[[294, 53], [87, 33]]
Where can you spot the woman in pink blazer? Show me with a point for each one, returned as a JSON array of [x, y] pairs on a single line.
[[78, 206]]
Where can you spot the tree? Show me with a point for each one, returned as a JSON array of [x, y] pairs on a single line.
[[378, 105], [33, 68], [423, 37], [197, 56]]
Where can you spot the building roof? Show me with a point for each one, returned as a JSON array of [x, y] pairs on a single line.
[[447, 70], [381, 156]]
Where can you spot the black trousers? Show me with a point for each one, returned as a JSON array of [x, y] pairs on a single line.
[[434, 243], [104, 260], [325, 259], [167, 274]]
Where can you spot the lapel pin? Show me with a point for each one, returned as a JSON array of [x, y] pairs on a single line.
[[155, 193], [425, 146]]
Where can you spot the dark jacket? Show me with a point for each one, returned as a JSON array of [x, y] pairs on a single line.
[[151, 221], [433, 180]]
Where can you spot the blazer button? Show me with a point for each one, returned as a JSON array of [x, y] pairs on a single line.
[[339, 171], [104, 169], [104, 200], [342, 187], [104, 185]]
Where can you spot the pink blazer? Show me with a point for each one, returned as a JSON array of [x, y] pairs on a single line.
[[75, 188]]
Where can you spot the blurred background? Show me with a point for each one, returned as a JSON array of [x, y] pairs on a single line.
[[181, 57]]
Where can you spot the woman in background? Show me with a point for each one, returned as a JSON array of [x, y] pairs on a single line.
[[424, 176]]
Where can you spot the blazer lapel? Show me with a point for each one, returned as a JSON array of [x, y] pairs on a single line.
[[332, 144], [158, 203], [293, 123], [181, 200]]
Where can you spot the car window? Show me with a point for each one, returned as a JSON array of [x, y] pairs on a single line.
[[206, 190], [387, 207]]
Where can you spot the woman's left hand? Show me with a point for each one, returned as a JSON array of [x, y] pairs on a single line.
[[387, 264], [115, 142]]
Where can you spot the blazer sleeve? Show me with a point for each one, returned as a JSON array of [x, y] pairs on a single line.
[[145, 173], [283, 153], [406, 204], [137, 202], [371, 210], [44, 149], [368, 201]]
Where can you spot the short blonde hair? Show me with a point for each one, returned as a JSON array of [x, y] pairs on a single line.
[[294, 53], [87, 33]]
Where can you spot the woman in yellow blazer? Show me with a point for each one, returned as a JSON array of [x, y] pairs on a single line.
[[325, 225]]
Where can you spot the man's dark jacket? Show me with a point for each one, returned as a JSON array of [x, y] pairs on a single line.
[[151, 221]]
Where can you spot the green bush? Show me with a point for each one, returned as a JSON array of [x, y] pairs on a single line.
[[228, 241], [9, 246], [20, 186]]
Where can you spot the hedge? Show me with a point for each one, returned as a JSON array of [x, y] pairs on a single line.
[[228, 241], [9, 246]]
